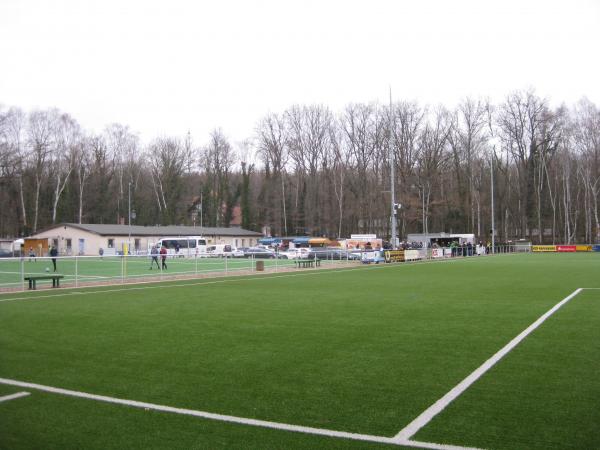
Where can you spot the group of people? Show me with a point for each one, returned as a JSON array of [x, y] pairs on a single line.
[[155, 252], [53, 253], [163, 257]]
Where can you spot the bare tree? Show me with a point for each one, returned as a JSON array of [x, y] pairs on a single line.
[[271, 141], [166, 157], [14, 140], [83, 167], [66, 149], [41, 133]]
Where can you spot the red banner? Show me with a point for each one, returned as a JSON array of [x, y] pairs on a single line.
[[566, 248]]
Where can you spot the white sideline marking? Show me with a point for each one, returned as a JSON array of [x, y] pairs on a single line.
[[6, 398], [225, 418], [425, 417]]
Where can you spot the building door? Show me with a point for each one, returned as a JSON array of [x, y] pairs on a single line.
[[81, 246]]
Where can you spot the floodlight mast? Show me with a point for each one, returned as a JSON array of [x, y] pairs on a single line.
[[492, 192], [129, 217], [392, 173]]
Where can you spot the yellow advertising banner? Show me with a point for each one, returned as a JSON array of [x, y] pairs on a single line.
[[584, 248], [543, 248], [394, 256]]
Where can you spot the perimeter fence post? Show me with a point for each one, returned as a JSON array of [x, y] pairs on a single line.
[[76, 272], [22, 273], [226, 258]]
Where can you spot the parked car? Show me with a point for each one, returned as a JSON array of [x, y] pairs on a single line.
[[234, 253], [295, 253], [332, 254], [255, 252], [373, 256], [224, 251]]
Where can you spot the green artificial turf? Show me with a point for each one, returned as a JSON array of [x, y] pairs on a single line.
[[363, 350]]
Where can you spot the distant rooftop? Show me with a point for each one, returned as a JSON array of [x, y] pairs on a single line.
[[171, 230]]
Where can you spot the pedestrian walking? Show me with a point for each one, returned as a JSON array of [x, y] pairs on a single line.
[[154, 253]]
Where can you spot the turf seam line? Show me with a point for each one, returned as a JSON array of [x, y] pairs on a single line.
[[426, 416], [165, 283], [226, 418], [7, 398]]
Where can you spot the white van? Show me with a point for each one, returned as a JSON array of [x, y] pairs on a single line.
[[224, 251], [187, 246]]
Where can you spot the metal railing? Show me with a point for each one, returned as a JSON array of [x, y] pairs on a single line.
[[94, 270]]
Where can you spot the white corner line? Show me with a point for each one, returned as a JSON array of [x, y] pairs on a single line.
[[431, 445], [196, 413], [6, 398], [425, 417], [225, 418]]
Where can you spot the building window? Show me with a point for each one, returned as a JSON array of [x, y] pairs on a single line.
[[111, 243], [69, 244], [137, 245]]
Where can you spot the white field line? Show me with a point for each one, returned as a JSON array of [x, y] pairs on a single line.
[[425, 417], [6, 398], [225, 418], [165, 284]]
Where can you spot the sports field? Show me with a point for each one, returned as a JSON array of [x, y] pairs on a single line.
[[86, 270], [386, 356]]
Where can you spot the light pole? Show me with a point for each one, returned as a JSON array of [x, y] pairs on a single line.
[[492, 192], [392, 174], [129, 214]]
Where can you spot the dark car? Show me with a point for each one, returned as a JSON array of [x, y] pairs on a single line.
[[256, 252]]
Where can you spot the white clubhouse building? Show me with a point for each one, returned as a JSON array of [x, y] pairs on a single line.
[[88, 239]]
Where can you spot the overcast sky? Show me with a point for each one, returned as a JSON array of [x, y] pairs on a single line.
[[166, 67]]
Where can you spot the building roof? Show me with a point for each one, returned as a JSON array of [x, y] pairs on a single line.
[[171, 230]]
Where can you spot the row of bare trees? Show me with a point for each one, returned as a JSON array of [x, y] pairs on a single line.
[[311, 171]]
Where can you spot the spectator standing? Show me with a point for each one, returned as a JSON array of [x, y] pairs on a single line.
[[31, 254], [53, 255], [163, 257]]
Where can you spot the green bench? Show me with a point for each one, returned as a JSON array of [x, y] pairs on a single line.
[[307, 263], [33, 278]]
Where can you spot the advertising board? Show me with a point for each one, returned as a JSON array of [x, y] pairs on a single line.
[[566, 248], [543, 248], [394, 256], [437, 252]]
